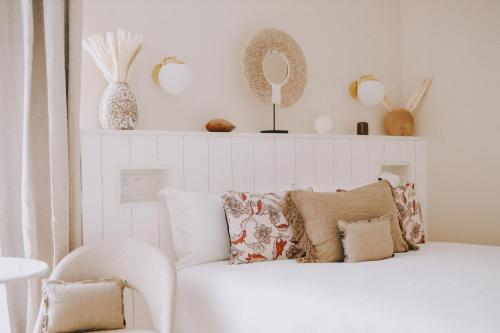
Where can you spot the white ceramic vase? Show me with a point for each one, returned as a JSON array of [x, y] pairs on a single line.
[[118, 109]]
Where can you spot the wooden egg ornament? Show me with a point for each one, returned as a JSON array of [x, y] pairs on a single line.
[[399, 122], [219, 125]]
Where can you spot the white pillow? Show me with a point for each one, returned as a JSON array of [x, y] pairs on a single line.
[[199, 227]]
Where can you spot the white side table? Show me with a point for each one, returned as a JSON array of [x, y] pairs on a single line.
[[12, 269]]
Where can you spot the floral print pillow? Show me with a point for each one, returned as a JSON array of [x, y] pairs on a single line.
[[257, 228], [409, 213]]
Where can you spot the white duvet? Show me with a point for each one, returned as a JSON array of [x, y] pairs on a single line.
[[444, 287]]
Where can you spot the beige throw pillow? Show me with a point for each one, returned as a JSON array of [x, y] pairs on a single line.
[[322, 211], [82, 306], [367, 240]]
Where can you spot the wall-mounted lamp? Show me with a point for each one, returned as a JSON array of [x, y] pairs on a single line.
[[368, 89], [173, 75]]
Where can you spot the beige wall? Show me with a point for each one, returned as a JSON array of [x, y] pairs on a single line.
[[458, 42], [341, 39]]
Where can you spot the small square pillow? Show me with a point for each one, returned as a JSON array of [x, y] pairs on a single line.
[[257, 227], [367, 240], [82, 306], [199, 228], [409, 214]]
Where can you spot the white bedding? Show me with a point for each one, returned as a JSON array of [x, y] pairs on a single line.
[[444, 287]]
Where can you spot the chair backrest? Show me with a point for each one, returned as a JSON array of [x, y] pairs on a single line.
[[143, 266]]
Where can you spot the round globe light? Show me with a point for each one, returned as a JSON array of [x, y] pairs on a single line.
[[323, 125], [371, 92], [174, 78]]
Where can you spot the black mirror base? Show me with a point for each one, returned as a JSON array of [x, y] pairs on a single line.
[[275, 131]]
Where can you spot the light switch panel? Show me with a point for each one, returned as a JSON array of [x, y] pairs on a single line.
[[140, 184]]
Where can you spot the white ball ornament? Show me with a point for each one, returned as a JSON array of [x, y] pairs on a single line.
[[323, 125]]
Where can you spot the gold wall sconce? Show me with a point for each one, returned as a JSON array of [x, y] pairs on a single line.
[[172, 75], [368, 89]]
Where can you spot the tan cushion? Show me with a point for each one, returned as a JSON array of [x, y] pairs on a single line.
[[367, 239], [83, 306], [322, 211]]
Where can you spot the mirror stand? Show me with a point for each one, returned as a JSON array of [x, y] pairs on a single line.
[[274, 130]]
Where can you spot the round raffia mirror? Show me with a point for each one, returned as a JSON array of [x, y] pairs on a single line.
[[275, 70], [273, 48], [275, 67]]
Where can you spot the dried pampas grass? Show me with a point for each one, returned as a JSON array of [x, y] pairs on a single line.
[[114, 53]]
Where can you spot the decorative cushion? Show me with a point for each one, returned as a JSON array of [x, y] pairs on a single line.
[[409, 214], [300, 238], [257, 227], [367, 240], [199, 229], [322, 211], [82, 306]]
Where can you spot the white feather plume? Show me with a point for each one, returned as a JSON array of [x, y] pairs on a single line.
[[114, 53]]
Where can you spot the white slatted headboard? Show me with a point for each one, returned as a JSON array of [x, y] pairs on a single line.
[[216, 162]]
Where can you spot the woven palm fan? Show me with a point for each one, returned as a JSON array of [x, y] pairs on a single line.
[[400, 121]]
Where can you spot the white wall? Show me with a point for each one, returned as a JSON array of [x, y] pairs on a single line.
[[458, 41], [341, 39]]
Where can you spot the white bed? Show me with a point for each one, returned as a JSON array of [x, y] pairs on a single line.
[[444, 287]]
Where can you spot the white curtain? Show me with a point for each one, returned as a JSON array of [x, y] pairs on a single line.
[[39, 155]]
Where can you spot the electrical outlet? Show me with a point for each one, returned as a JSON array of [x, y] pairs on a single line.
[[125, 184], [141, 184]]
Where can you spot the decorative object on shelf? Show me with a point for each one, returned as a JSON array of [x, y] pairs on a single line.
[[173, 75], [392, 178], [362, 128], [114, 53], [368, 89], [323, 125], [400, 121], [219, 125], [275, 70]]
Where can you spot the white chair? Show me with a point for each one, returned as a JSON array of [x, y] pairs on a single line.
[[143, 266]]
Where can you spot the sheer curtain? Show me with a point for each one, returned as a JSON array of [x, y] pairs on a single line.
[[39, 156]]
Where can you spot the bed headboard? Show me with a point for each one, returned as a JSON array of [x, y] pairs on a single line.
[[122, 171]]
